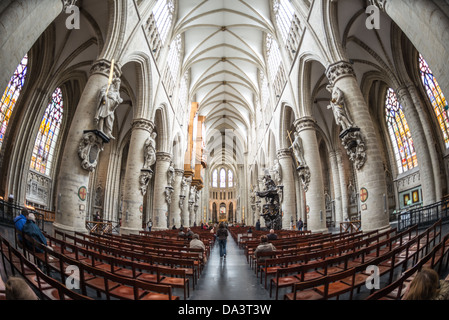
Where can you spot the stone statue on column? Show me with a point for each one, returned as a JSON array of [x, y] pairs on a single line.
[[149, 156], [109, 100], [298, 150], [338, 107], [171, 174], [150, 151]]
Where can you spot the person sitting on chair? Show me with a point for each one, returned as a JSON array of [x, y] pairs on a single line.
[[32, 230]]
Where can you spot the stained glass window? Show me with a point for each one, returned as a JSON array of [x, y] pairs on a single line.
[[400, 135], [11, 95], [222, 178], [163, 14], [439, 103], [230, 179], [44, 147], [215, 179], [284, 16]]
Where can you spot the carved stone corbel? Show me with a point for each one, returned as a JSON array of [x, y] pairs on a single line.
[[355, 146], [304, 174], [89, 149], [144, 179], [168, 194]]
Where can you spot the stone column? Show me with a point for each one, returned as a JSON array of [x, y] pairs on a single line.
[[420, 145], [22, 23], [185, 214], [289, 192], [337, 188], [73, 179], [429, 36], [132, 191], [316, 217], [430, 140], [370, 172], [175, 208], [160, 205], [343, 185]]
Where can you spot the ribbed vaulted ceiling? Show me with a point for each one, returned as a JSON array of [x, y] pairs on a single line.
[[224, 53]]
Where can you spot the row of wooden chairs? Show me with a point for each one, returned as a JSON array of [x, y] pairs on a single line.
[[434, 260], [309, 245], [157, 246], [115, 278], [161, 270], [45, 286], [268, 262], [386, 255], [354, 276]]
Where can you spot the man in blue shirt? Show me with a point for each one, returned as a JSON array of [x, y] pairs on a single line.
[[31, 229], [20, 221]]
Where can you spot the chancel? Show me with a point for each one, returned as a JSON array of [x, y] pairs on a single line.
[[132, 127]]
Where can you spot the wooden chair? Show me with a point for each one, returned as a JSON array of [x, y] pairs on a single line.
[[176, 278], [306, 290]]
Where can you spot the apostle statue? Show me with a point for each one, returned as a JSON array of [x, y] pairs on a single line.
[[298, 150], [338, 107], [171, 174], [150, 151], [109, 100]]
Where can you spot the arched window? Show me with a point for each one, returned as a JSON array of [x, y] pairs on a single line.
[[163, 14], [399, 132], [44, 147], [222, 178], [174, 57], [273, 57], [230, 179], [11, 95], [215, 179], [284, 17], [436, 97]]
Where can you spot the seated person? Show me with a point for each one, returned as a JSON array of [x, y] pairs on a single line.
[[197, 243], [272, 236], [20, 221], [250, 230], [32, 230], [181, 233], [189, 233], [264, 246]]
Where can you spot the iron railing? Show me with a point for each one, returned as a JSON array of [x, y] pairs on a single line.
[[10, 210], [424, 216]]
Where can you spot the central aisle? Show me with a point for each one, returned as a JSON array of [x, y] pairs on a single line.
[[228, 279]]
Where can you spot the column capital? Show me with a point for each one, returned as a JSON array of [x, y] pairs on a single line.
[[163, 156], [143, 124], [378, 3], [103, 67], [67, 4], [338, 70], [284, 153], [305, 123], [179, 172]]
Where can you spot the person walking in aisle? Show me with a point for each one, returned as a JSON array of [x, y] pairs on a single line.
[[222, 236]]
